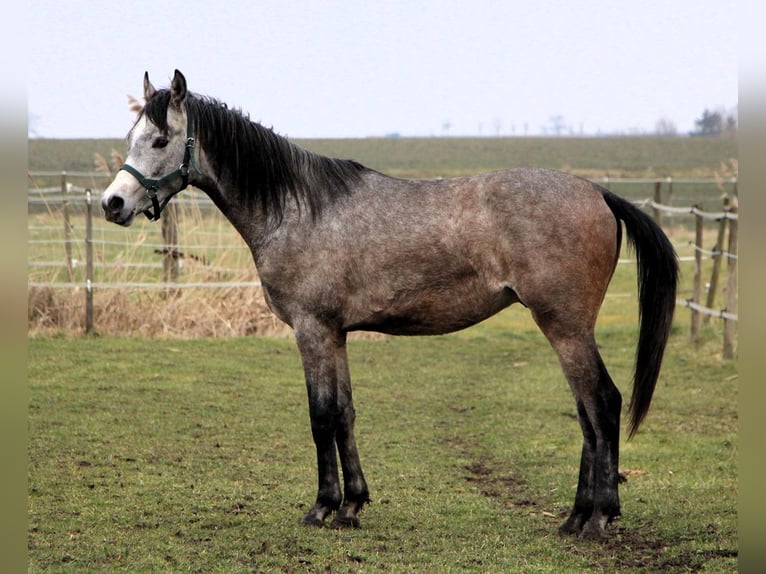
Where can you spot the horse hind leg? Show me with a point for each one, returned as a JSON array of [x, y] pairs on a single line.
[[598, 411]]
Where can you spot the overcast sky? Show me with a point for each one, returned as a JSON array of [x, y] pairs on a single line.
[[337, 68]]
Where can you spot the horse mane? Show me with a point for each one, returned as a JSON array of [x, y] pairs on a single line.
[[264, 169]]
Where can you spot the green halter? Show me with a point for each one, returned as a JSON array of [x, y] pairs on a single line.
[[153, 185]]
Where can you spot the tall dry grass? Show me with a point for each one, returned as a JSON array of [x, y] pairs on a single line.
[[171, 313]]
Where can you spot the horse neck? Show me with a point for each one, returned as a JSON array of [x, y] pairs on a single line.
[[259, 179]]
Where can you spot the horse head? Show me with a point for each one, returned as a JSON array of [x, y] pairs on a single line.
[[160, 149]]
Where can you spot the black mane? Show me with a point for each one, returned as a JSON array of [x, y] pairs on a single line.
[[264, 168]]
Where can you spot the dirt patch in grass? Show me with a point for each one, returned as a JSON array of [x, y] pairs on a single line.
[[622, 549], [506, 489], [643, 548]]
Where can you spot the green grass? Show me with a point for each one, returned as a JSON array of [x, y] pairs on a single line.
[[196, 456]]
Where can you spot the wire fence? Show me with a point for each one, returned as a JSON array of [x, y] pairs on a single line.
[[71, 249]]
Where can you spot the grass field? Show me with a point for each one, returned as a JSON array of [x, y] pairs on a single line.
[[196, 456]]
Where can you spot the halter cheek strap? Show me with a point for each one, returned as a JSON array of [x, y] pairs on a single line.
[[152, 186]]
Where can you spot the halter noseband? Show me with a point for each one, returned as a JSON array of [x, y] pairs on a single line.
[[153, 185]]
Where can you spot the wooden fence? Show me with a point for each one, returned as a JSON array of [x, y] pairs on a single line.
[[727, 219]]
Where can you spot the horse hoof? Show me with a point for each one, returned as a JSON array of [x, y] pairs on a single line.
[[343, 522], [594, 533], [567, 529], [312, 520], [594, 530], [572, 526]]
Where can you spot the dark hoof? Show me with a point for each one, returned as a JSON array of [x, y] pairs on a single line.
[[567, 529], [593, 531], [572, 526], [595, 528], [343, 522], [312, 520], [348, 515]]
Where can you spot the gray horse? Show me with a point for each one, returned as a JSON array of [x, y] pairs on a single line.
[[340, 247]]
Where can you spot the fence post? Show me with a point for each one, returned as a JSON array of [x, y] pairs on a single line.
[[717, 257], [697, 285], [669, 179], [658, 200], [170, 241], [67, 227], [88, 263], [731, 288]]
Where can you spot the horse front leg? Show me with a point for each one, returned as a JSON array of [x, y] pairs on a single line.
[[317, 347], [355, 492], [325, 363]]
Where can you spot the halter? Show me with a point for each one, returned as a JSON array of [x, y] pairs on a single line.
[[153, 185]]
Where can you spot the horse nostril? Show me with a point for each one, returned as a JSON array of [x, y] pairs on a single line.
[[115, 203]]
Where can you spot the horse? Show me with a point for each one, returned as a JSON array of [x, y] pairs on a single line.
[[340, 247]]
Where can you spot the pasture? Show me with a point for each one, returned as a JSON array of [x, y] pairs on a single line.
[[195, 455]]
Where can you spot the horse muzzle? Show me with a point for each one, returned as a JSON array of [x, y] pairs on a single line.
[[120, 200], [115, 210]]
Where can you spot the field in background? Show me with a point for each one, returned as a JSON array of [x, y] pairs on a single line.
[[645, 157]]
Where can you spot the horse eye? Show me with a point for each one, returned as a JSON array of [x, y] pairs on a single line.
[[160, 143]]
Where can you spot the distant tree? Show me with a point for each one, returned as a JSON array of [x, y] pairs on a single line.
[[557, 124], [497, 124], [732, 121], [709, 124], [665, 127], [716, 122]]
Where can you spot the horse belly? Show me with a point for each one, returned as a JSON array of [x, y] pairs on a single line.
[[435, 311]]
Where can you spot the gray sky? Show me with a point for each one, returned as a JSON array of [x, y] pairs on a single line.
[[337, 68]]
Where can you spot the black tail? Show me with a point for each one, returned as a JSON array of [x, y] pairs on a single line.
[[657, 280]]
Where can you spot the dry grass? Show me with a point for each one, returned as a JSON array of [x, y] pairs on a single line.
[[209, 252], [172, 313]]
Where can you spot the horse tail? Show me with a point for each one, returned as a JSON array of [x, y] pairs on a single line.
[[657, 282]]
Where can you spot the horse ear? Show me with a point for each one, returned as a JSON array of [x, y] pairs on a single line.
[[178, 90], [149, 89]]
